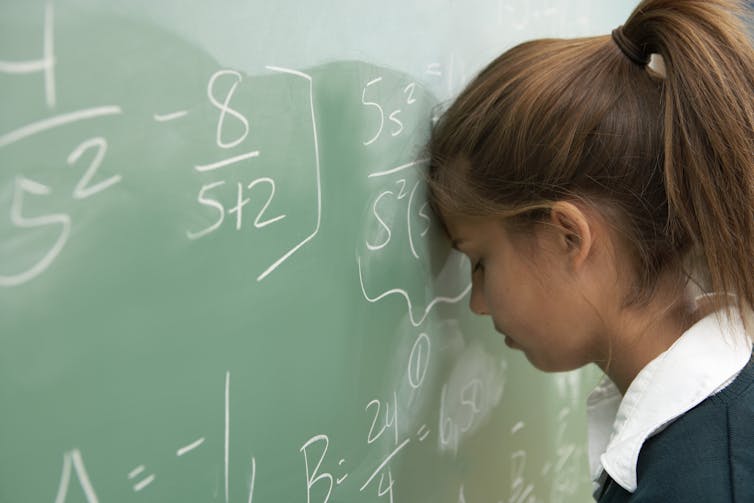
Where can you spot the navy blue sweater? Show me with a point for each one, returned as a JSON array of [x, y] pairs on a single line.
[[705, 456]]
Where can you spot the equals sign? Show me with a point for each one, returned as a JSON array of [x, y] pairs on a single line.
[[142, 483], [422, 433]]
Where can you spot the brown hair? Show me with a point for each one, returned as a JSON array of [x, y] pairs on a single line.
[[669, 160]]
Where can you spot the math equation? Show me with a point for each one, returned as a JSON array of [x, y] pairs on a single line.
[[221, 278]]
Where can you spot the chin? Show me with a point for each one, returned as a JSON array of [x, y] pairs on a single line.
[[550, 366]]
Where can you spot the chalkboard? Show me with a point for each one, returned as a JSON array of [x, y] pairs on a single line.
[[219, 277]]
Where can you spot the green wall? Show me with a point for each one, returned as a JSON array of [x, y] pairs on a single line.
[[219, 279]]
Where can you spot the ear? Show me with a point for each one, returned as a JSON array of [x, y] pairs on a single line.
[[573, 232]]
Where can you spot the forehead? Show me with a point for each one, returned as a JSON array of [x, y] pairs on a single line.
[[462, 229]]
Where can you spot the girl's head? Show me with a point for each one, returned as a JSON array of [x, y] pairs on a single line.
[[560, 137]]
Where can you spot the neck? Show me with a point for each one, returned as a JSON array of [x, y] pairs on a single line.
[[638, 336]]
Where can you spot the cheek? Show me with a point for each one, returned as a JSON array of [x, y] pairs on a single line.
[[529, 313], [512, 309], [518, 299]]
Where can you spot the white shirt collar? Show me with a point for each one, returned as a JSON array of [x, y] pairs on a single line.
[[701, 362]]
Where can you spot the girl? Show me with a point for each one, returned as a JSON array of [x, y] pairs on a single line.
[[596, 184]]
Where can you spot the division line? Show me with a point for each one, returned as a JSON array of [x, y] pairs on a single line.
[[293, 250], [190, 447], [57, 121], [398, 168], [225, 162], [385, 462]]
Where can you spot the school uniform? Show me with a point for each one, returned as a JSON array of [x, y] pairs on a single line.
[[684, 431]]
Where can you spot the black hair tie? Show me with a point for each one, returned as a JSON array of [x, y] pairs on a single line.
[[629, 48]]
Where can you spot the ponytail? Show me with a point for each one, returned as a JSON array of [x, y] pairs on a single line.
[[708, 121], [670, 159]]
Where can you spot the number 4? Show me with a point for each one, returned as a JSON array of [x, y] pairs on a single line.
[[382, 491]]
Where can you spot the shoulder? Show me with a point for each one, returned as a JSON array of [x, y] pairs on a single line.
[[706, 454]]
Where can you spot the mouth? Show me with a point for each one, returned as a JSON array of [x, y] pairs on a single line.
[[508, 340]]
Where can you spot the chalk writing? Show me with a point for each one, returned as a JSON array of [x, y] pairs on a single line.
[[211, 195], [73, 457], [239, 187], [61, 221], [226, 109], [378, 110], [45, 65]]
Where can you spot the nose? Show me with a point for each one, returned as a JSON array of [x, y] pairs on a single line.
[[477, 304]]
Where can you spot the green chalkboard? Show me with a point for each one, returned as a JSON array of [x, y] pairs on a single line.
[[219, 278]]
